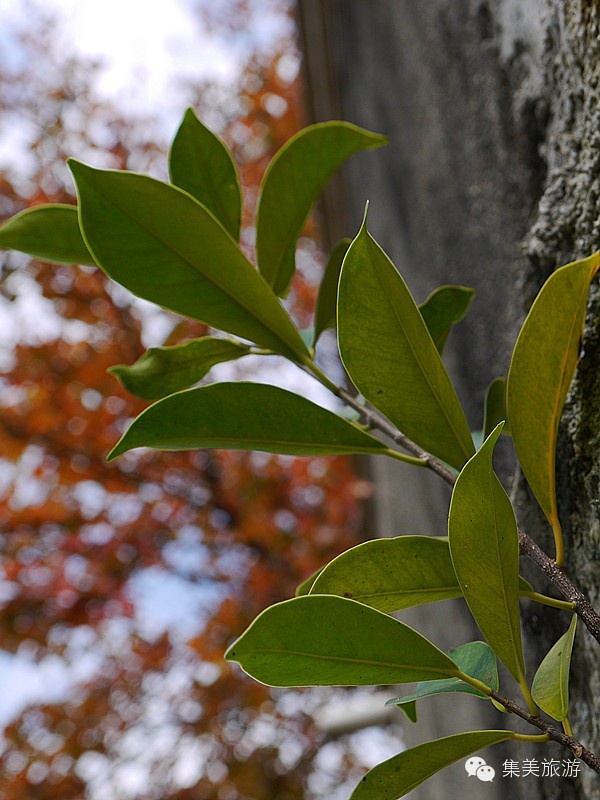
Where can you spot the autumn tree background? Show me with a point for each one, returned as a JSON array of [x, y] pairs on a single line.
[[150, 710]]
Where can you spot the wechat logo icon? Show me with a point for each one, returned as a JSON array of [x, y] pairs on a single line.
[[477, 767]]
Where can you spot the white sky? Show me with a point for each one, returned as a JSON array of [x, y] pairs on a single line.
[[149, 47]]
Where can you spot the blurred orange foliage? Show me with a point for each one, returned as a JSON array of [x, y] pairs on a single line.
[[240, 529]]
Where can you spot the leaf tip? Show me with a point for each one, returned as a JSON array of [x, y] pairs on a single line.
[[230, 654], [79, 171], [117, 450], [379, 140], [495, 434], [77, 167], [363, 226]]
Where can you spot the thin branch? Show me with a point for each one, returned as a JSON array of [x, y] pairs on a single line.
[[582, 606], [550, 568], [376, 420], [565, 739], [570, 743]]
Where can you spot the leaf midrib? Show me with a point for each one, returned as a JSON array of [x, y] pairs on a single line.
[[223, 212], [515, 634], [211, 279], [418, 360], [399, 593], [283, 442], [349, 660], [191, 362]]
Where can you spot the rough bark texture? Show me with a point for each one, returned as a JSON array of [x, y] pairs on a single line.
[[491, 179]]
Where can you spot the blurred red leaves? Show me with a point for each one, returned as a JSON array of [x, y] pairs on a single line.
[[160, 708]]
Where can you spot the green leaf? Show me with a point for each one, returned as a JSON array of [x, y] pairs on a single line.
[[320, 640], [476, 659], [327, 299], [292, 183], [444, 308], [244, 416], [305, 587], [542, 368], [550, 687], [162, 245], [201, 163], [50, 232], [396, 777], [494, 408], [390, 356], [164, 370], [392, 574], [484, 545]]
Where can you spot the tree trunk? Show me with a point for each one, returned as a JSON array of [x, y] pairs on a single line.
[[492, 180]]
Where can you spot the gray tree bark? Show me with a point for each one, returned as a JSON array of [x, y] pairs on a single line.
[[491, 179]]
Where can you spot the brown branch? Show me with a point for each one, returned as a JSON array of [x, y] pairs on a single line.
[[563, 583], [557, 576], [528, 547], [578, 750]]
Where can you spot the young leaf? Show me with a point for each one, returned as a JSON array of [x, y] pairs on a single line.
[[292, 183], [50, 232], [165, 370], [550, 687], [162, 245], [390, 356], [396, 777], [475, 659], [320, 640], [392, 574], [244, 416], [494, 408], [327, 299], [484, 545], [200, 163], [542, 368], [444, 308]]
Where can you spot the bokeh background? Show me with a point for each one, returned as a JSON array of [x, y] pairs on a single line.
[[122, 585]]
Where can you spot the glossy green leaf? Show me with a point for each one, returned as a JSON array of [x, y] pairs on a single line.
[[550, 687], [165, 370], [201, 163], [444, 308], [305, 587], [484, 545], [245, 416], [494, 408], [476, 659], [390, 356], [319, 640], [327, 299], [50, 232], [542, 368], [396, 777], [292, 183], [162, 245], [392, 574]]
